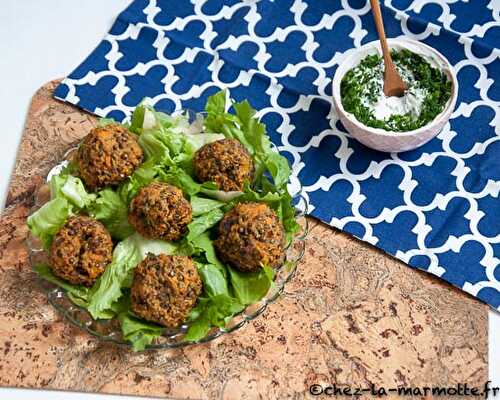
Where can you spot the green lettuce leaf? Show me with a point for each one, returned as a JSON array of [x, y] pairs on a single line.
[[278, 167], [79, 294], [206, 246], [106, 121], [154, 147], [201, 205], [165, 145], [216, 112], [250, 287], [183, 180], [199, 326], [197, 141], [155, 246], [180, 178], [118, 275], [75, 192], [71, 188], [141, 177], [210, 312], [220, 195], [202, 223], [216, 306], [112, 211], [108, 288], [68, 195], [287, 213], [137, 120], [254, 132], [214, 281], [138, 332], [48, 219], [170, 140]]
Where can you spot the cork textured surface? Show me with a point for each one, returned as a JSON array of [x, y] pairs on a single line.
[[351, 315]]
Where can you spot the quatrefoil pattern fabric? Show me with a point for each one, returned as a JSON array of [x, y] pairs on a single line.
[[436, 208]]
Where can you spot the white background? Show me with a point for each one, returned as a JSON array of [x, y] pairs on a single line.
[[44, 40]]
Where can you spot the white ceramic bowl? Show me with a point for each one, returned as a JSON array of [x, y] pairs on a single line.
[[380, 139]]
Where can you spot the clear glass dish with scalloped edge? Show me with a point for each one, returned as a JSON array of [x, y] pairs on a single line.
[[109, 330]]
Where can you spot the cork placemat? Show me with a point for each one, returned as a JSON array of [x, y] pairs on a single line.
[[350, 316]]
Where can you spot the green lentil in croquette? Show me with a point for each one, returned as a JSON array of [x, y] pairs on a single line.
[[250, 235], [160, 211], [225, 162], [81, 250], [107, 156], [165, 289]]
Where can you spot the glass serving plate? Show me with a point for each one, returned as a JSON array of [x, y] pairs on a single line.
[[109, 330]]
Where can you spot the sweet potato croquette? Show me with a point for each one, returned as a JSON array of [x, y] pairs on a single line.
[[107, 156], [250, 235], [225, 162], [81, 250], [160, 211], [165, 289]]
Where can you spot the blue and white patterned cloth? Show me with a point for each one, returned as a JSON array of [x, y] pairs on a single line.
[[436, 208]]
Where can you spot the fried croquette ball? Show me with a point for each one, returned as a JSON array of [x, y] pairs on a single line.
[[107, 156], [225, 162], [160, 211], [81, 250], [165, 289], [251, 235]]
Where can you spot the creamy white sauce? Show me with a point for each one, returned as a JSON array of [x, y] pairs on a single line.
[[410, 103], [384, 107]]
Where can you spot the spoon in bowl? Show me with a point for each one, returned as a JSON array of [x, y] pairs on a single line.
[[393, 84]]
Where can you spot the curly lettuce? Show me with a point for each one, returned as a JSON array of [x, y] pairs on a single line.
[[119, 274], [169, 144], [68, 196]]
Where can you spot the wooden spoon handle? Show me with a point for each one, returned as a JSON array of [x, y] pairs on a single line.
[[379, 24]]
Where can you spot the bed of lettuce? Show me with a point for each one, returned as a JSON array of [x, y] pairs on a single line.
[[169, 144]]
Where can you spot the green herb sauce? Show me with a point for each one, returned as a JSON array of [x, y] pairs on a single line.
[[362, 95]]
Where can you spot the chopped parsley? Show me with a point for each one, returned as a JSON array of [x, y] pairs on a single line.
[[428, 91]]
